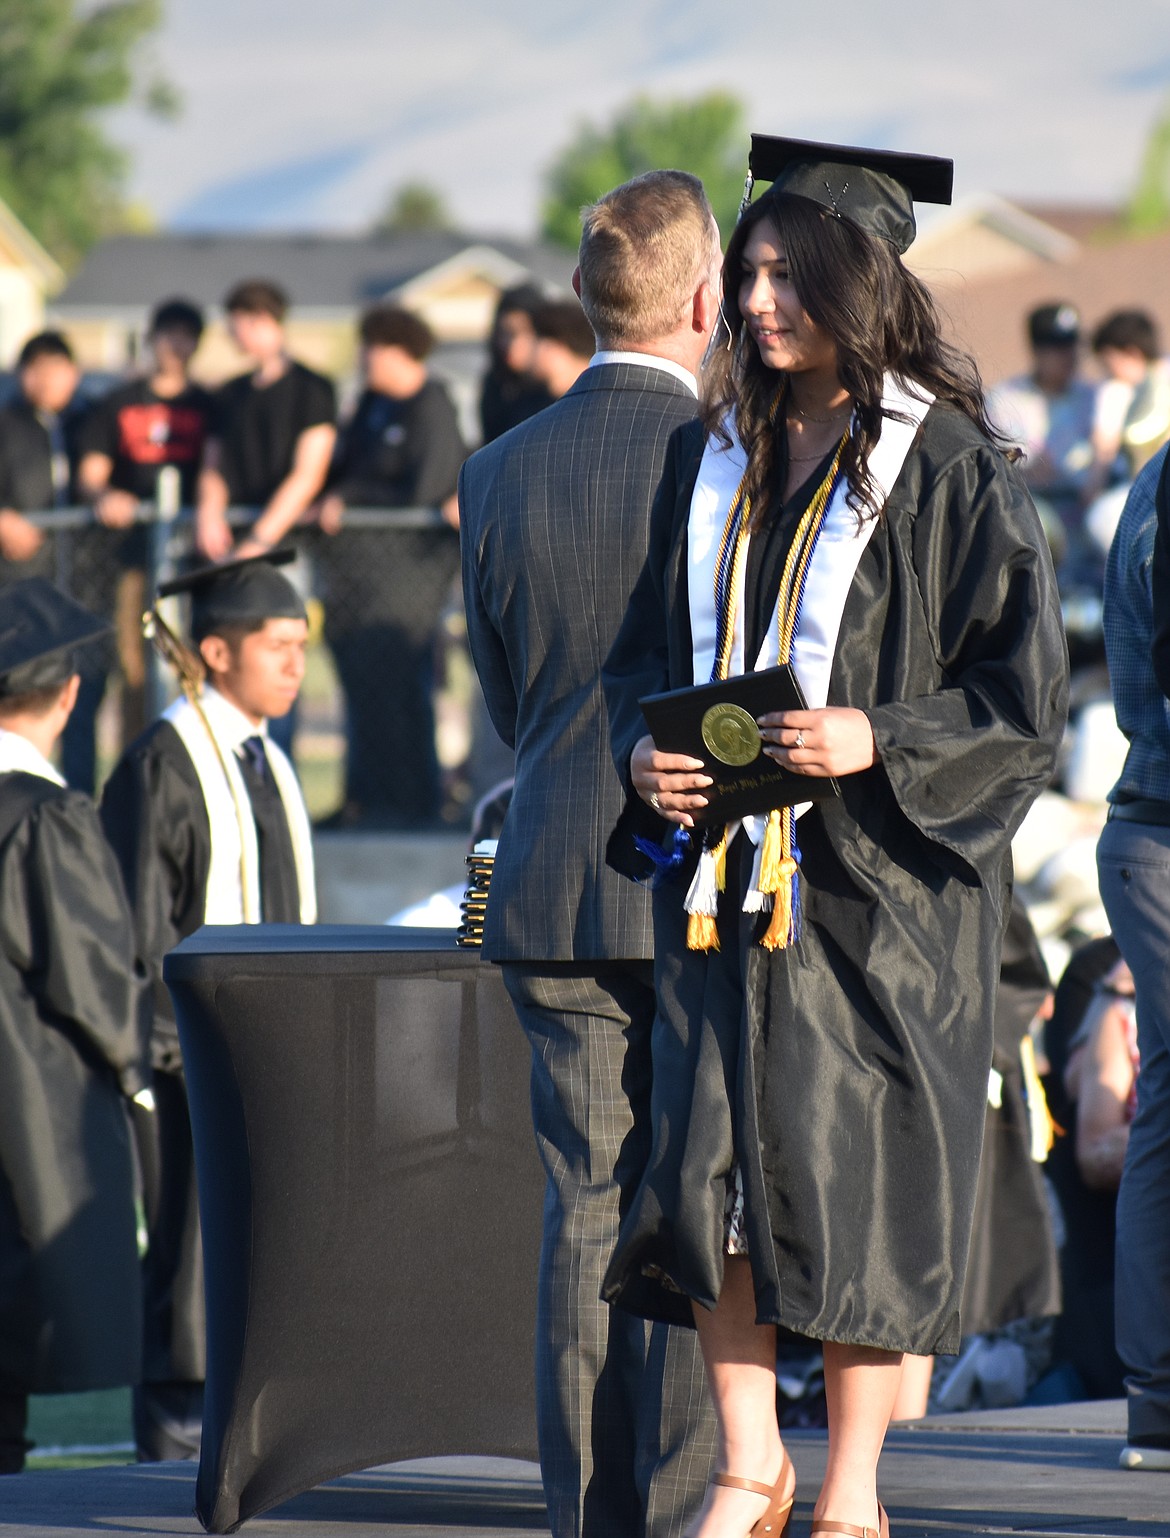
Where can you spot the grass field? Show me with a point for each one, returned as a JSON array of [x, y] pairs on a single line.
[[65, 1427]]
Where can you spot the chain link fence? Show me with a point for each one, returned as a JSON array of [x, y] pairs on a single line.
[[384, 729]]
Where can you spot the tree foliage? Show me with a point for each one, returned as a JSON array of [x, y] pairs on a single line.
[[62, 65], [414, 207], [705, 136], [1149, 207]]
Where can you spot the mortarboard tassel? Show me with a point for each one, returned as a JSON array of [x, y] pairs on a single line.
[[780, 876], [702, 901], [665, 862]]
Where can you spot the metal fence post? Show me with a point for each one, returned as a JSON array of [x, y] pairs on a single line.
[[167, 500]]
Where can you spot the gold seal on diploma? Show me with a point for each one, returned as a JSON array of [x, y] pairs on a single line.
[[731, 734]]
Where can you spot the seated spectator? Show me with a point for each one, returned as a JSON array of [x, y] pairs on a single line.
[[386, 588], [1092, 1056], [564, 345], [511, 392], [1049, 412], [128, 437], [272, 436], [39, 459], [1127, 347]]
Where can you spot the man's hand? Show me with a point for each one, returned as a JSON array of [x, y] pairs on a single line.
[[116, 509], [20, 539], [819, 743], [213, 534], [330, 513], [671, 783]]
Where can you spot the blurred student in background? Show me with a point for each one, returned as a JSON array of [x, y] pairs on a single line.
[[273, 432], [564, 345], [40, 451], [511, 391], [159, 419], [386, 588]]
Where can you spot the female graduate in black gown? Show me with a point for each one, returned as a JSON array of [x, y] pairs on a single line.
[[818, 1097]]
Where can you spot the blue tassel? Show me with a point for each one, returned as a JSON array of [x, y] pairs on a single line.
[[665, 862]]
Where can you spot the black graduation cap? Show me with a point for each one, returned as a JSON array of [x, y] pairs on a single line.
[[876, 189], [239, 592], [40, 626]]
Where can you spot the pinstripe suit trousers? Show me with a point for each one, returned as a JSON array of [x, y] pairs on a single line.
[[627, 1433]]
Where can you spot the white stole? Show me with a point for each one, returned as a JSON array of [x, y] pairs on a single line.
[[233, 879], [831, 572]]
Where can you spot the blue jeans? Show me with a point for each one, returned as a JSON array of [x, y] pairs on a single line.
[[1133, 863]]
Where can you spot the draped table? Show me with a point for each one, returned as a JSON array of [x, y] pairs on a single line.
[[370, 1197]]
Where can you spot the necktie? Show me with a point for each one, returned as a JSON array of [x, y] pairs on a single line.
[[279, 898]]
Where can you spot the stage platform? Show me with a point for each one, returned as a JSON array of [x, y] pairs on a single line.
[[1050, 1472]]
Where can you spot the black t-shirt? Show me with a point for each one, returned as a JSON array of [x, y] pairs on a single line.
[[258, 428], [399, 453], [141, 432]]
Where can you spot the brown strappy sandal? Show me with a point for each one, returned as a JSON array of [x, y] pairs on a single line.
[[882, 1530], [781, 1496]]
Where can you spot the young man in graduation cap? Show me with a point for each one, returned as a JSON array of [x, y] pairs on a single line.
[[72, 1042], [207, 820]]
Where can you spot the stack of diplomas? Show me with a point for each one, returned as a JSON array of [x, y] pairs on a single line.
[[474, 904], [717, 723]]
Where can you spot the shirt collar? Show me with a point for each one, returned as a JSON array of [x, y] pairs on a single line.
[[229, 723], [18, 756], [649, 360]]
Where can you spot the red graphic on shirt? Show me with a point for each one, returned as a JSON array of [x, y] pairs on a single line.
[[159, 434]]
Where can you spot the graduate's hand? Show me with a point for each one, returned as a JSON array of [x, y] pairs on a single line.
[[819, 743], [671, 783]]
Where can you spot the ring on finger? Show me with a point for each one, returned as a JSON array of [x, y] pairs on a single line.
[[799, 740], [654, 801]]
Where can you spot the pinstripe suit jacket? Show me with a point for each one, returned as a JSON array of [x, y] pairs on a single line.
[[554, 524]]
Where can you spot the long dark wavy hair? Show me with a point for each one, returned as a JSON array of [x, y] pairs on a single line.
[[882, 319]]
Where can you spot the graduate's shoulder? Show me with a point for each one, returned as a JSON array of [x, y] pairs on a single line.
[[159, 750], [43, 807], [949, 437]]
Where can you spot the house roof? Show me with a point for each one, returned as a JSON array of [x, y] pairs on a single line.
[[1036, 238], [320, 272], [988, 316], [27, 250]]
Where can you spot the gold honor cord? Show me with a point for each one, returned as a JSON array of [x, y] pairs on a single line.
[[778, 863], [190, 672]]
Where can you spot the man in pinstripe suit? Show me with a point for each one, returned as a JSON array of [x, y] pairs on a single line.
[[555, 519]]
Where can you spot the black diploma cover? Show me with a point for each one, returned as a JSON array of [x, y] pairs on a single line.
[[717, 723]]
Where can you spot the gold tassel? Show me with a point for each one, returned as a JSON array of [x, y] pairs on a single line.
[[778, 935], [702, 935], [772, 853]]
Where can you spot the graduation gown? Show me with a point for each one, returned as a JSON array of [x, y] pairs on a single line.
[[72, 1049], [155, 815], [1013, 1271], [851, 1087]]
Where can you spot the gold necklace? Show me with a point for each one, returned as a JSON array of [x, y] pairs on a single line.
[[834, 416]]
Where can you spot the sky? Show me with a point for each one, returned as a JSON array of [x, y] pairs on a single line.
[[305, 116]]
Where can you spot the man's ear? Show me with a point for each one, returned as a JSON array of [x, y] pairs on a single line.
[[705, 308], [577, 281], [216, 654], [69, 692]]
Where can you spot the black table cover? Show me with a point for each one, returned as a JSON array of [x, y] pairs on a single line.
[[370, 1197]]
